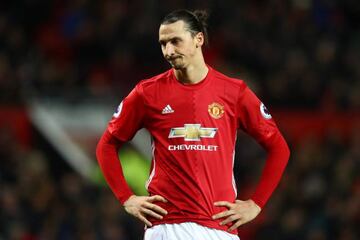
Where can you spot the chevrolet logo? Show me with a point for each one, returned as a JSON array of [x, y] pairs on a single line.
[[192, 132]]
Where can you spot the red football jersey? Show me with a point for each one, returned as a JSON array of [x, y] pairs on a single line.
[[193, 129]]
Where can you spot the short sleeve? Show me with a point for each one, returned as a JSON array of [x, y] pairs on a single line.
[[128, 118], [254, 118]]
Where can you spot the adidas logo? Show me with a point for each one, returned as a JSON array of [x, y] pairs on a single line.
[[167, 110]]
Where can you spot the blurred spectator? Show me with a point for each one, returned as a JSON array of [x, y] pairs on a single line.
[[299, 53]]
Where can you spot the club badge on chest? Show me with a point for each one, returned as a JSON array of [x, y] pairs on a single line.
[[216, 110]]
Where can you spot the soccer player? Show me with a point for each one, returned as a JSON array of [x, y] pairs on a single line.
[[193, 113]]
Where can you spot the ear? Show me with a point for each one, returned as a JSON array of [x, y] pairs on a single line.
[[199, 39]]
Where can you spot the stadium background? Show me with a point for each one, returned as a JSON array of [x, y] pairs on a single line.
[[65, 65]]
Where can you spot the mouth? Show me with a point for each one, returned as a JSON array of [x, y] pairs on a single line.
[[173, 58]]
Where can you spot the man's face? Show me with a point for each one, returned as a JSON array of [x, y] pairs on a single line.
[[178, 46]]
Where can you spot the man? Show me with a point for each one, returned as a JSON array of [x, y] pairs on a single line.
[[193, 113]]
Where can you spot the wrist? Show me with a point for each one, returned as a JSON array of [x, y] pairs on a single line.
[[255, 204], [125, 200]]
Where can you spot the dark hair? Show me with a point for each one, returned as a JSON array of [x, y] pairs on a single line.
[[195, 21]]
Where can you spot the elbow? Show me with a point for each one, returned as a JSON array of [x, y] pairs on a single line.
[[279, 146], [287, 151], [107, 143], [101, 145], [99, 149]]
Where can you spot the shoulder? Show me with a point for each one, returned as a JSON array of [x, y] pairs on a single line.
[[148, 85], [237, 85]]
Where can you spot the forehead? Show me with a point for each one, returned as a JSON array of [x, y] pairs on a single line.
[[172, 30]]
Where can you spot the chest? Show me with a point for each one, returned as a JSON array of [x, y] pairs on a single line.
[[182, 108]]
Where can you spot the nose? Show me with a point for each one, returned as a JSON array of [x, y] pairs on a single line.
[[169, 50]]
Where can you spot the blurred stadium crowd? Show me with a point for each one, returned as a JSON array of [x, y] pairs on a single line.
[[295, 54]]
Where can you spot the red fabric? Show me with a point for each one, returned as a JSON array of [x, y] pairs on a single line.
[[107, 155], [277, 157], [263, 129], [190, 169]]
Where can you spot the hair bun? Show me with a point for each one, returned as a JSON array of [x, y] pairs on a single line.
[[202, 16]]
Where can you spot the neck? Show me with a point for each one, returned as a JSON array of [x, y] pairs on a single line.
[[192, 74]]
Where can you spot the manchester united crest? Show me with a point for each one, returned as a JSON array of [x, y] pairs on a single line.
[[216, 110]]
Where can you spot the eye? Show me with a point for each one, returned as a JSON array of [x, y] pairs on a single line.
[[175, 41], [162, 43]]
